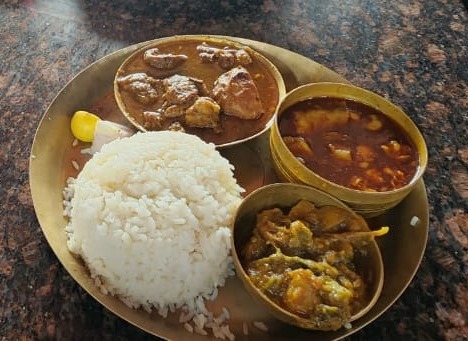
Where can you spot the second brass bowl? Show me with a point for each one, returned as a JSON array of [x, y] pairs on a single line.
[[368, 204], [286, 195]]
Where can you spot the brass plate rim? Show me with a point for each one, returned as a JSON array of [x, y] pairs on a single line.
[[45, 203]]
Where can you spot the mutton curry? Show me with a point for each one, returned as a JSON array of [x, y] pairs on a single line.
[[221, 92]]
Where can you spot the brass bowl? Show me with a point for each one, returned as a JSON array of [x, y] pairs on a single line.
[[191, 68], [286, 195], [368, 204]]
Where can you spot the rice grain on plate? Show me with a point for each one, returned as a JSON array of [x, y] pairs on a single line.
[[150, 217]]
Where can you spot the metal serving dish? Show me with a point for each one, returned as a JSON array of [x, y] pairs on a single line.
[[290, 169], [51, 159], [285, 195], [234, 131]]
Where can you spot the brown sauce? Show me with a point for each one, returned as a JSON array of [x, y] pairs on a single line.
[[349, 143], [233, 128]]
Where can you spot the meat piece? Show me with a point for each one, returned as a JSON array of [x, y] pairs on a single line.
[[243, 57], [200, 84], [227, 58], [176, 126], [163, 60], [174, 110], [204, 113], [180, 90], [153, 120], [237, 94], [144, 88], [181, 94]]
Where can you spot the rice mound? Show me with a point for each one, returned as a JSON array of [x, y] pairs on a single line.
[[150, 215]]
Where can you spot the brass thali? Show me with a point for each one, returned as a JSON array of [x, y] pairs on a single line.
[[51, 163]]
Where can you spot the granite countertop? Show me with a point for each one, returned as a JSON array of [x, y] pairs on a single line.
[[415, 53]]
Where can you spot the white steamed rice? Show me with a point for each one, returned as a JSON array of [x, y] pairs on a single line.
[[150, 217]]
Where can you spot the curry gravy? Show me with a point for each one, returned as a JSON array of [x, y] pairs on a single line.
[[349, 143], [233, 128]]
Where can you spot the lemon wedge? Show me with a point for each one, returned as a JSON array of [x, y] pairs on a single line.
[[83, 125]]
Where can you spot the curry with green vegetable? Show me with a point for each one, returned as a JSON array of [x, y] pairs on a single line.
[[304, 261]]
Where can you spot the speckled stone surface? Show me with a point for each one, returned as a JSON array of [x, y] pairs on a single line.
[[415, 53]]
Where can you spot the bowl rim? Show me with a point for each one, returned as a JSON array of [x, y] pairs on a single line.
[[423, 153], [275, 73], [249, 286]]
